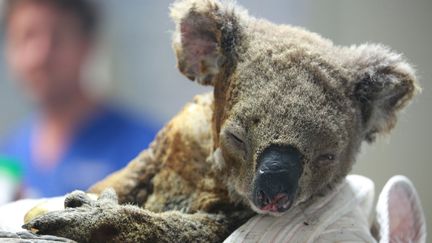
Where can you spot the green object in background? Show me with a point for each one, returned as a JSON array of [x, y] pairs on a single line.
[[11, 168], [10, 179]]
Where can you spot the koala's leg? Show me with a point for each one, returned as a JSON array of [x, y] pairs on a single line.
[[104, 220]]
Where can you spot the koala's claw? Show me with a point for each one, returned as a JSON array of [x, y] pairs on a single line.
[[73, 223], [77, 199], [52, 221], [109, 195]]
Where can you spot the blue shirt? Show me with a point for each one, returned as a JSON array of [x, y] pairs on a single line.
[[103, 144]]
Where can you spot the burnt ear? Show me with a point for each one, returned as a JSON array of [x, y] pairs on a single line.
[[205, 38], [383, 83]]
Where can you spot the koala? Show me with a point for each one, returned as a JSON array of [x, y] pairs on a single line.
[[282, 127]]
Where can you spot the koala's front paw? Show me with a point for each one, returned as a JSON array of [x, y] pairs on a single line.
[[83, 220]]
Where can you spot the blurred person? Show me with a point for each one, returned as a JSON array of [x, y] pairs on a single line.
[[72, 139]]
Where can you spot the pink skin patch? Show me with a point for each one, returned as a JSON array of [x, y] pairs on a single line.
[[279, 203]]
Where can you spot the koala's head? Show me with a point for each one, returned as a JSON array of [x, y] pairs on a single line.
[[290, 109]]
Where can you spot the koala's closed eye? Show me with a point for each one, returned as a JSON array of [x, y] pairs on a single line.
[[236, 141]]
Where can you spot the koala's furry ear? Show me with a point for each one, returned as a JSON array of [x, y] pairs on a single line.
[[383, 84], [205, 38]]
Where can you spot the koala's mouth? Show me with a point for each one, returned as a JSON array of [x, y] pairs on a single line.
[[280, 203]]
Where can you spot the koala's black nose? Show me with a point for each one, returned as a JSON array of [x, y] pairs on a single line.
[[276, 182]]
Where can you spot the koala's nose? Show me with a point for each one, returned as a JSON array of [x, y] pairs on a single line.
[[276, 182]]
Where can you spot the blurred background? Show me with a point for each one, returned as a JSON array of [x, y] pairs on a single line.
[[134, 66]]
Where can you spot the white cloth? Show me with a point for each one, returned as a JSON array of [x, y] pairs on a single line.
[[12, 214], [344, 215]]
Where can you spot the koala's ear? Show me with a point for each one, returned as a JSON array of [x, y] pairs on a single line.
[[205, 38], [383, 83]]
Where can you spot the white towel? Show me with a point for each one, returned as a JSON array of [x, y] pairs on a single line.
[[344, 215], [12, 214]]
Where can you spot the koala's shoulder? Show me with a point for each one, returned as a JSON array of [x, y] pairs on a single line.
[[186, 141], [186, 180], [193, 122]]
